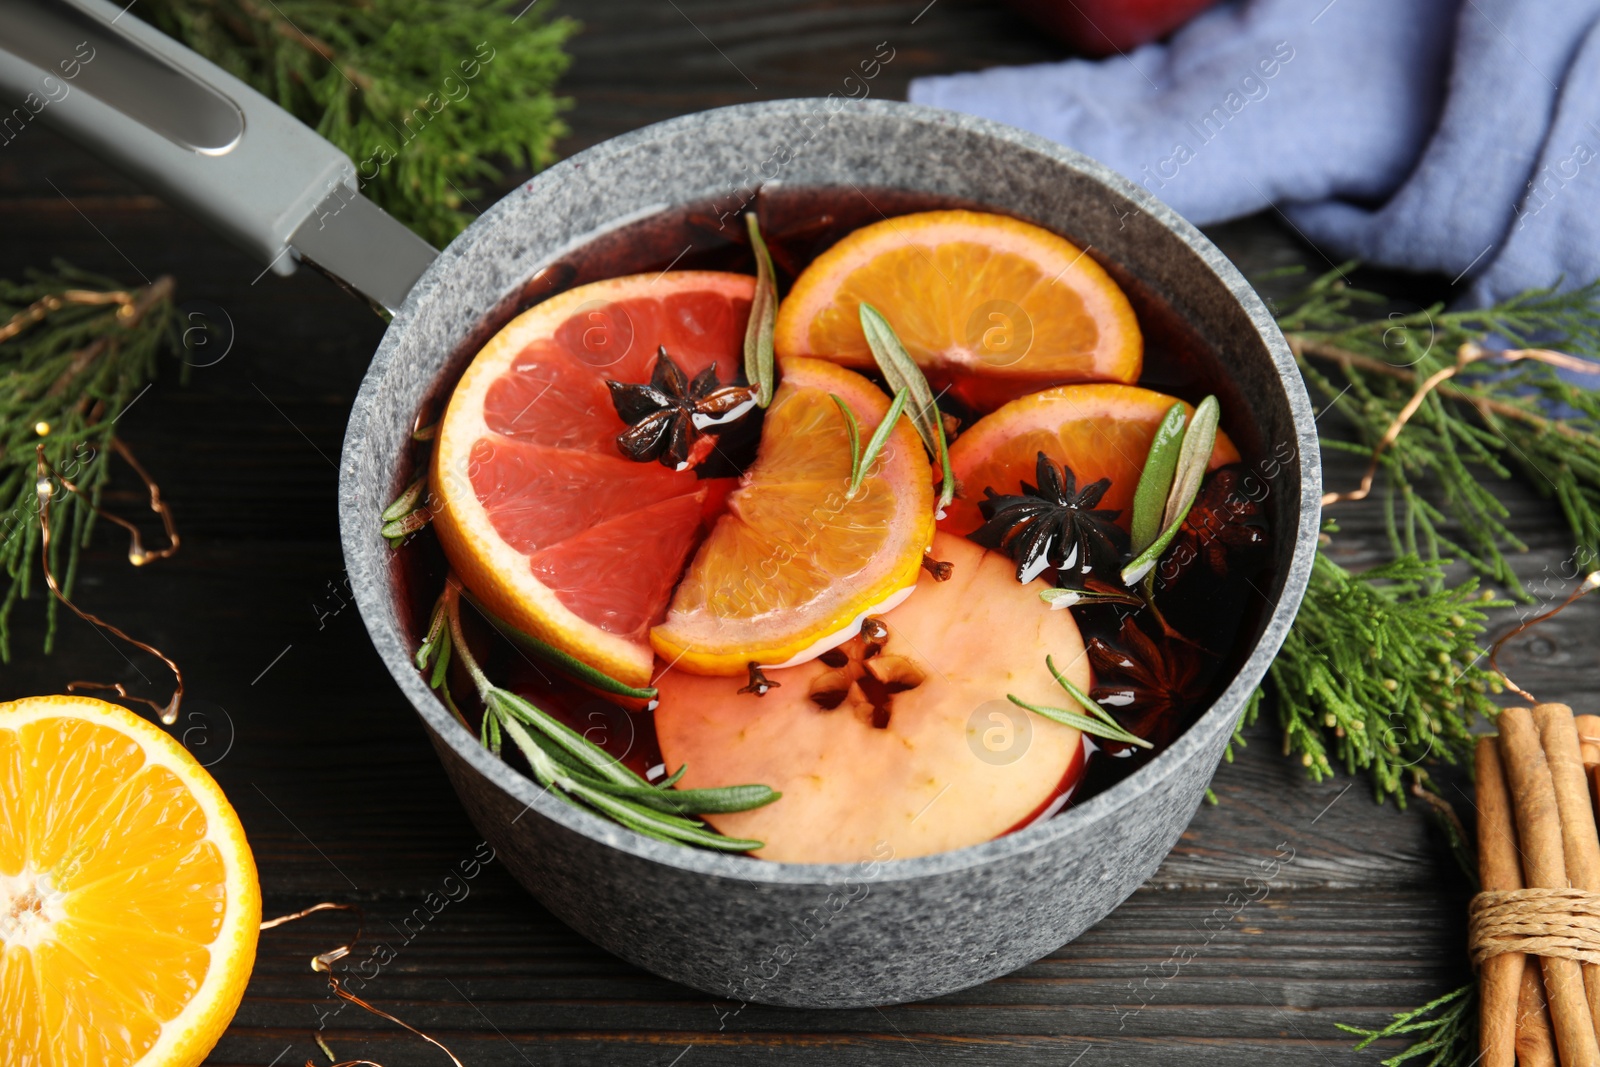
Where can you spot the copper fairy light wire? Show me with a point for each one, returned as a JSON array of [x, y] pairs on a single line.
[[1585, 587], [1467, 354], [322, 963], [45, 488]]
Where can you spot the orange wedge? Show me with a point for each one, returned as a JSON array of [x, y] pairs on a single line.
[[539, 513], [988, 306], [1099, 431], [796, 562], [129, 907]]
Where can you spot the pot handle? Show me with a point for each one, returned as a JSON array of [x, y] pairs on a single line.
[[203, 140]]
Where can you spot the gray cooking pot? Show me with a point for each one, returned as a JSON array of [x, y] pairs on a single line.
[[838, 935]]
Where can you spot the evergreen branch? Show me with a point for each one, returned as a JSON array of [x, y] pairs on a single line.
[[1490, 417], [1449, 1025], [389, 82], [76, 350], [1388, 663]]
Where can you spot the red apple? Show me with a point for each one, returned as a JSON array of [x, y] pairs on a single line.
[[1101, 27]]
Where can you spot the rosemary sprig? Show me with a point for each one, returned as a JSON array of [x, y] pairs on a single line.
[[1448, 1025], [567, 763], [903, 375], [1155, 481], [1097, 723], [426, 96], [861, 460], [76, 350], [408, 513], [576, 668], [758, 352], [1188, 471]]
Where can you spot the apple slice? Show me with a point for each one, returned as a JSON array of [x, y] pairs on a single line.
[[900, 747]]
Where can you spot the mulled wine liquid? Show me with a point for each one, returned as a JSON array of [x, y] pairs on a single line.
[[1171, 676]]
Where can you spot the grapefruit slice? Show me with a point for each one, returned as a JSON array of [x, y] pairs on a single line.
[[129, 906], [910, 751], [538, 512], [797, 562], [1099, 431], [987, 305]]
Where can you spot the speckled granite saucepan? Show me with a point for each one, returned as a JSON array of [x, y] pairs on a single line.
[[876, 932]]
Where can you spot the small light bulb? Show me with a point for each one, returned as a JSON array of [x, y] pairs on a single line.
[[1593, 581], [42, 428]]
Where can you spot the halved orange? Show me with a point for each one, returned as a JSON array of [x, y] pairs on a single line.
[[989, 306], [796, 562], [538, 512], [907, 752], [129, 906], [1099, 431]]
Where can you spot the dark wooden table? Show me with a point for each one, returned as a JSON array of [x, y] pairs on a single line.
[[343, 799]]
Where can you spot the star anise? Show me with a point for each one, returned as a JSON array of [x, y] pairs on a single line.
[[1054, 524], [667, 418], [1151, 683], [1222, 520]]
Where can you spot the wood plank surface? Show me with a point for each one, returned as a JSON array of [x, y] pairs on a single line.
[[343, 799]]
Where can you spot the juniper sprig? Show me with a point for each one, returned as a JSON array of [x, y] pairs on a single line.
[[76, 350], [1491, 421], [428, 97]]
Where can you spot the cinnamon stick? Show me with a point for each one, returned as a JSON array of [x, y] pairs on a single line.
[[1500, 980], [1589, 738], [1544, 866], [1535, 1047], [1558, 732]]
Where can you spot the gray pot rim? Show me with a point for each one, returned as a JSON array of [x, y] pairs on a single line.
[[370, 580]]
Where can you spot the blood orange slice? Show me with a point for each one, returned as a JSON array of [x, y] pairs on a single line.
[[911, 750], [797, 561], [990, 306], [538, 512], [1099, 431]]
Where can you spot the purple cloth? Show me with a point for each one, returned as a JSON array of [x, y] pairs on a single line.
[[1458, 136]]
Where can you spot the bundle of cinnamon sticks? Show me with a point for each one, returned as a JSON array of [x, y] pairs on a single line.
[[1539, 864]]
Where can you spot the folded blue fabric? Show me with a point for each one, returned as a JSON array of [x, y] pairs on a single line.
[[1458, 136]]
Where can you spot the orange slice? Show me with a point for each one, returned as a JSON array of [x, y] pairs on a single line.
[[796, 563], [988, 306], [1099, 431], [129, 906], [933, 757], [538, 512]]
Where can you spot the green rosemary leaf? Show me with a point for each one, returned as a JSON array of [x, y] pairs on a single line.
[[758, 354], [901, 373], [579, 747], [852, 429], [397, 531], [668, 826], [1194, 455], [1080, 722], [407, 501], [672, 779], [1155, 481], [441, 665], [880, 437], [1066, 598], [557, 658], [436, 627], [1088, 703], [695, 801]]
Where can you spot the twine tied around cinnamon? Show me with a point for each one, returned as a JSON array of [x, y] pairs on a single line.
[[1540, 922]]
